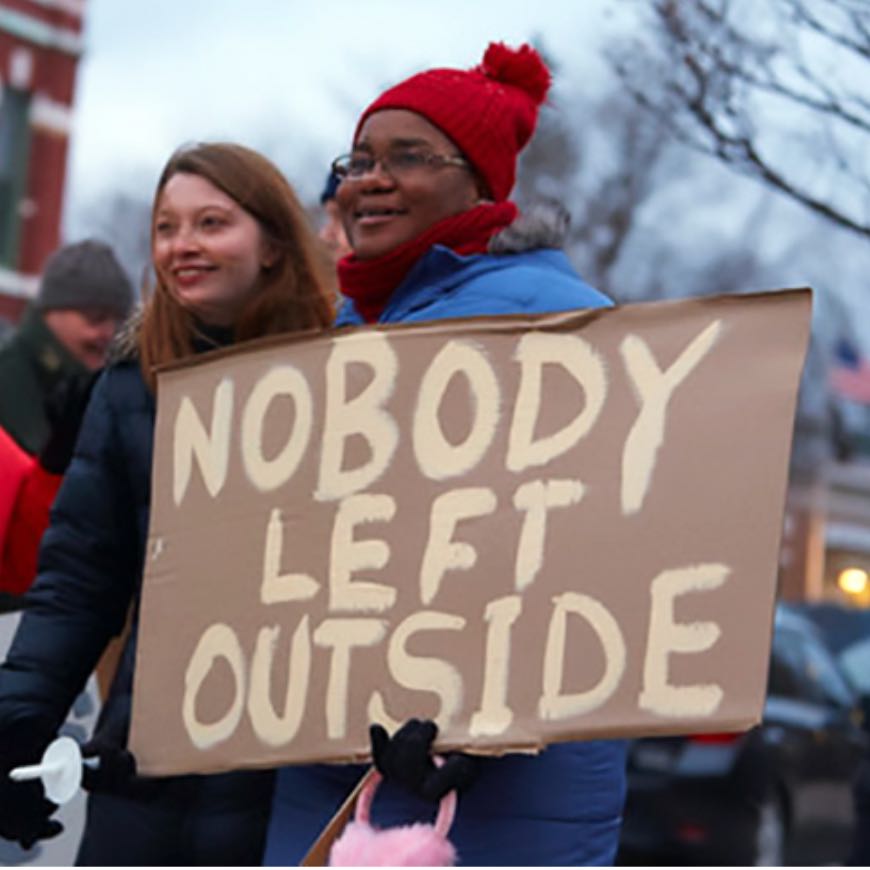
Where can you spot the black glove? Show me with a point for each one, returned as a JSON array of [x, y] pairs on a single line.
[[406, 759], [65, 408], [24, 809], [117, 765]]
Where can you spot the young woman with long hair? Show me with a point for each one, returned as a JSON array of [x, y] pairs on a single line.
[[234, 259]]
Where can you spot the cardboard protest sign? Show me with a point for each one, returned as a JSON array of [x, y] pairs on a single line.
[[529, 529]]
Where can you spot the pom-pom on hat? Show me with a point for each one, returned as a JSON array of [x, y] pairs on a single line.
[[489, 111]]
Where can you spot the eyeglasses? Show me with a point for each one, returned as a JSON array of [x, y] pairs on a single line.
[[396, 163]]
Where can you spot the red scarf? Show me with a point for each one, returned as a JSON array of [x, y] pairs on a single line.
[[370, 283]]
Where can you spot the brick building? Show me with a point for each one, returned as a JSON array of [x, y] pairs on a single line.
[[40, 46]]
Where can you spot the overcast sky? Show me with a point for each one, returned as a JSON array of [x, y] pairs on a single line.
[[285, 76], [290, 77]]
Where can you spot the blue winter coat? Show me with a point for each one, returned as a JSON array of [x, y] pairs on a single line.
[[562, 807]]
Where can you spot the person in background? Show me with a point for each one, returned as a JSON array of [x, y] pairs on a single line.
[[234, 259], [46, 372], [28, 486], [332, 230], [424, 201], [26, 494], [63, 337]]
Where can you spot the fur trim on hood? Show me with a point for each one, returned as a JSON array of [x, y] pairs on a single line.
[[544, 224], [125, 344]]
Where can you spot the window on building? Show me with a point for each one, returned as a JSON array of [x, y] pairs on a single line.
[[14, 148]]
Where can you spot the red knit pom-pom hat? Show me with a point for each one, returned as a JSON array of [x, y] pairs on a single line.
[[489, 111]]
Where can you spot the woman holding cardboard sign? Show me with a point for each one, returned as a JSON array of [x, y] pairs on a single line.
[[234, 259], [424, 200]]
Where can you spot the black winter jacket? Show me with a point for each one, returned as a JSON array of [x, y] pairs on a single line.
[[32, 364], [90, 562], [90, 574]]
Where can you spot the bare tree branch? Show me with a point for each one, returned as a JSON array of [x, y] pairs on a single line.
[[742, 94], [801, 13]]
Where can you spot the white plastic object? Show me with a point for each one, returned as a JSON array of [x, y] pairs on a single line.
[[60, 770]]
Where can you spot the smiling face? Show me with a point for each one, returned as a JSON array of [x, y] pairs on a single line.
[[381, 211], [86, 333], [208, 251]]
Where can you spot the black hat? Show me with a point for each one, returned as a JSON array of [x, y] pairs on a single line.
[[85, 275]]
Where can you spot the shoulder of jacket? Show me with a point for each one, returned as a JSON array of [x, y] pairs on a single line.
[[10, 354], [521, 269], [17, 365], [13, 345], [122, 385]]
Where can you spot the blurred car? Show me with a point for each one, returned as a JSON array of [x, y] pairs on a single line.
[[779, 792], [846, 631]]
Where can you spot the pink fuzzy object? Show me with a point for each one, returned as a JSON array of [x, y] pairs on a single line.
[[417, 845]]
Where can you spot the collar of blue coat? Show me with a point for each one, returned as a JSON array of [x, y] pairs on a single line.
[[441, 270]]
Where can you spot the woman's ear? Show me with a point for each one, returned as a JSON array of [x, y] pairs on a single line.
[[268, 257]]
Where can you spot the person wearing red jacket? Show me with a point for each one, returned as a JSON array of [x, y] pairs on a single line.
[[28, 485], [27, 490]]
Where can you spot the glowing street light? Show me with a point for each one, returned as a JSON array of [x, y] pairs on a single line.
[[853, 581]]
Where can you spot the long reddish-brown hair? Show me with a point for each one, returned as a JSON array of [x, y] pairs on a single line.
[[295, 289]]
